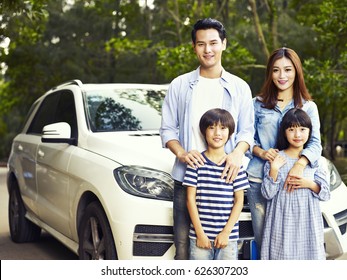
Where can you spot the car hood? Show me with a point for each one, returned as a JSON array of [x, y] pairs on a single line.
[[132, 148]]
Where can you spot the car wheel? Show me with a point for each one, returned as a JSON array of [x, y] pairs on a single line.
[[21, 229], [95, 236]]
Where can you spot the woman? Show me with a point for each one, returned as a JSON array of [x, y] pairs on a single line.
[[283, 89]]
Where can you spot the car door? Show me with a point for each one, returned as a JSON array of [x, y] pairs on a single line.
[[51, 167], [25, 149]]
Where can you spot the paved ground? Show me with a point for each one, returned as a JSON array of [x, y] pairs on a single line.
[[46, 249]]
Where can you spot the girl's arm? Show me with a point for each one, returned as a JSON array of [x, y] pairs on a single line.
[[202, 240], [271, 182], [222, 238]]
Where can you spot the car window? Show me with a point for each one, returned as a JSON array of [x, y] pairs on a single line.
[[44, 115], [56, 107], [124, 109]]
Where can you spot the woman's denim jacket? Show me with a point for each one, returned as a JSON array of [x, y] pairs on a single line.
[[266, 125]]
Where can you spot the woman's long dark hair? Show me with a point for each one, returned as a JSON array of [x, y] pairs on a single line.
[[269, 91], [293, 118]]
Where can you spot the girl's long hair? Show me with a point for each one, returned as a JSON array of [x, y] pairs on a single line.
[[269, 92]]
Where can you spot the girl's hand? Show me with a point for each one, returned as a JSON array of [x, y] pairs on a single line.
[[297, 182], [278, 162]]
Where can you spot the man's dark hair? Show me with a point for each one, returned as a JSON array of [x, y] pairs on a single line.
[[215, 116], [208, 23]]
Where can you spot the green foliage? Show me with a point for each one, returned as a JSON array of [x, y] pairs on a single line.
[[121, 41], [181, 59]]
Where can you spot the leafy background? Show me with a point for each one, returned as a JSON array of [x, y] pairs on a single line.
[[46, 42]]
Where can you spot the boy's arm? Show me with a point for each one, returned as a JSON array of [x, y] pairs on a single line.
[[222, 239], [202, 239]]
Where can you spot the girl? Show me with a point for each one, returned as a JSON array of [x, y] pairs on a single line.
[[293, 227]]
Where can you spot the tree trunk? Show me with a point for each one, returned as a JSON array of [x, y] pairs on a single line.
[[258, 28]]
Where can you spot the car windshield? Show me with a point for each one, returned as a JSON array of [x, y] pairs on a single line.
[[124, 109]]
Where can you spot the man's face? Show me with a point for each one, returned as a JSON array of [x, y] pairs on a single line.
[[209, 47]]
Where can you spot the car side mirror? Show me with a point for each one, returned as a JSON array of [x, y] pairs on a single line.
[[57, 133]]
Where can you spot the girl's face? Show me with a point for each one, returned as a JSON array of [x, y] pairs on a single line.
[[297, 136], [283, 74], [217, 135]]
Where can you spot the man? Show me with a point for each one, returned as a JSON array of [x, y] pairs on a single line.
[[189, 96]]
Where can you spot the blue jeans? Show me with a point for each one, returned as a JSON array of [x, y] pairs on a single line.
[[257, 205], [227, 253], [181, 222]]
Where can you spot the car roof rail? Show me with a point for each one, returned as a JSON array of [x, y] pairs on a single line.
[[72, 82]]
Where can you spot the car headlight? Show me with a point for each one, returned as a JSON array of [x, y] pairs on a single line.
[[335, 179], [145, 182]]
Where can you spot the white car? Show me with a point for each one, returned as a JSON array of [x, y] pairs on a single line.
[[335, 214], [88, 168]]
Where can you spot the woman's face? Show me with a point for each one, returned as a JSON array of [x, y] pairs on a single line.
[[283, 74]]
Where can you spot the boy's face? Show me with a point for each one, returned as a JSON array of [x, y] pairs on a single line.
[[208, 48], [217, 135]]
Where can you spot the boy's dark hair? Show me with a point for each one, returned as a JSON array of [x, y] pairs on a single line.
[[293, 118], [215, 116], [208, 23]]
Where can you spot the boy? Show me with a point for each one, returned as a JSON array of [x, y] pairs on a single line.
[[214, 205]]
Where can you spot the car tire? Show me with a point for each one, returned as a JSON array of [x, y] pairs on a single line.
[[21, 229], [95, 235]]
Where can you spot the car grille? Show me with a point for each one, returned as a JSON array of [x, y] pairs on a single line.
[[152, 241], [341, 220], [245, 230]]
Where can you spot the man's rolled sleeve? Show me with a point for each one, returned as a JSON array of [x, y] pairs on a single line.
[[169, 121], [245, 131]]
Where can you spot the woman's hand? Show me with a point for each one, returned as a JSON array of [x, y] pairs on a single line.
[[297, 171], [269, 154]]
